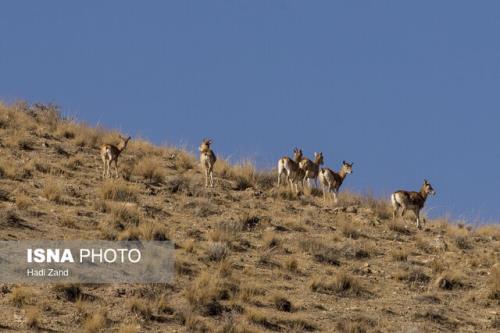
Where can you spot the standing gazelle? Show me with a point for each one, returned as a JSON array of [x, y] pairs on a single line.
[[331, 180], [413, 201], [110, 153], [311, 169], [207, 160], [290, 168]]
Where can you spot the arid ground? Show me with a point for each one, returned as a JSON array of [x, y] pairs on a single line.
[[249, 257]]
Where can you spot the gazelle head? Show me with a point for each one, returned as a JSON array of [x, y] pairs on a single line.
[[318, 158], [427, 188], [297, 154], [123, 142], [347, 167], [205, 145]]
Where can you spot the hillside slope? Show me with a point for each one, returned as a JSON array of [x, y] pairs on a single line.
[[249, 258]]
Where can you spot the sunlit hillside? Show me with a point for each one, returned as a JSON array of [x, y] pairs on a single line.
[[249, 257]]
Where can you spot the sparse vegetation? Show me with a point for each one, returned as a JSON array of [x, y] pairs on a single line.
[[249, 257]]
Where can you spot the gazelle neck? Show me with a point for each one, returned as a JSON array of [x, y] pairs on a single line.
[[423, 193], [342, 173]]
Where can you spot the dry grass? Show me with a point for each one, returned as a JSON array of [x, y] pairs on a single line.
[[33, 318], [21, 296], [493, 286], [217, 251], [206, 291], [118, 190], [53, 190], [23, 201], [450, 280], [129, 328], [400, 255], [95, 323], [243, 258], [150, 169], [342, 284], [140, 308]]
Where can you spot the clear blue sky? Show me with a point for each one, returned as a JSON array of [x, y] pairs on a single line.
[[406, 89]]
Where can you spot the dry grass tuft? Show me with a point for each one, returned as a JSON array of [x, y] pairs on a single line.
[[21, 296], [53, 190], [206, 291], [95, 323], [118, 190], [129, 328], [400, 255], [217, 251], [342, 284], [150, 169], [140, 308], [321, 252], [450, 280], [493, 286], [33, 318]]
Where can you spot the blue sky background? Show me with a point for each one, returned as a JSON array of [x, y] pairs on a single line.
[[406, 90]]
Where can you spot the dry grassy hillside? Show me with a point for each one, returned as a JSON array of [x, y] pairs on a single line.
[[249, 258]]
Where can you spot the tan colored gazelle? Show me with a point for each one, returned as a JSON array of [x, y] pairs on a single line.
[[207, 160], [413, 201], [331, 180], [290, 168], [311, 168], [110, 153]]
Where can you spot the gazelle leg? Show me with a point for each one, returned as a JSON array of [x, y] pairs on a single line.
[[103, 168], [417, 213], [116, 168], [324, 192], [335, 197], [211, 178], [108, 165], [206, 177]]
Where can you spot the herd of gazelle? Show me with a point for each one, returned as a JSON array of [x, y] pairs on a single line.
[[299, 170]]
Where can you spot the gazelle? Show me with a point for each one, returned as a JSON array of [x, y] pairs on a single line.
[[290, 168], [413, 201], [110, 153], [207, 160], [311, 169], [331, 180]]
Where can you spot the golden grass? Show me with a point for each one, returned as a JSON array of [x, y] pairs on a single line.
[[118, 190], [53, 190], [21, 296], [95, 323], [341, 284], [150, 169], [33, 318]]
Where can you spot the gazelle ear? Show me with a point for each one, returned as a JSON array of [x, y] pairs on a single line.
[[344, 162], [426, 182]]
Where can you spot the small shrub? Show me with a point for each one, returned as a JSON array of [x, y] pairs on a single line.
[[292, 265], [128, 328]]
